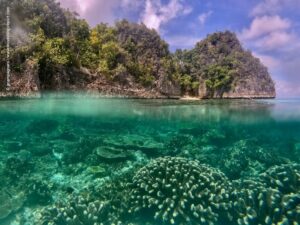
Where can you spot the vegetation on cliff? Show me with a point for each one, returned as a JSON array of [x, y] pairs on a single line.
[[123, 54], [222, 64]]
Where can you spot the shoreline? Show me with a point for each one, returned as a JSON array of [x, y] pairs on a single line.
[[67, 94]]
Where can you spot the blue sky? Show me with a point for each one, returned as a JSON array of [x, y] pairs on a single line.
[[269, 28]]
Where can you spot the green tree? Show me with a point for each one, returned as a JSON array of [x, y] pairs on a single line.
[[111, 59], [78, 40], [102, 34], [218, 78], [56, 51]]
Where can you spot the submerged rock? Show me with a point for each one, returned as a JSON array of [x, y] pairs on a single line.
[[5, 205], [146, 144], [10, 202], [112, 154], [96, 170]]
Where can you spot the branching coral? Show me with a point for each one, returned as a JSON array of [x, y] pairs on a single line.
[[77, 212], [175, 190], [285, 178], [115, 193], [254, 203]]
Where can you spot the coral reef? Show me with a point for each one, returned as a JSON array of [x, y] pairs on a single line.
[[39, 192], [246, 157], [78, 211], [81, 151], [104, 202], [175, 190], [18, 165], [176, 144], [285, 178], [116, 193], [66, 167], [254, 203]]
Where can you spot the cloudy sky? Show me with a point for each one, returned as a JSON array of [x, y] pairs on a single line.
[[269, 28]]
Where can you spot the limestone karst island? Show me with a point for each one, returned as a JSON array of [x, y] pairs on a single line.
[[54, 50], [149, 112]]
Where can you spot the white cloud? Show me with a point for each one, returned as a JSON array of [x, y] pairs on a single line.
[[156, 14], [270, 7], [266, 7], [204, 16], [265, 25], [79, 6], [187, 10], [276, 40], [92, 10], [268, 33], [151, 18], [286, 71], [96, 11], [268, 60]]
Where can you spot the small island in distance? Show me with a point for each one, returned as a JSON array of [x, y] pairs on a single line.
[[53, 50]]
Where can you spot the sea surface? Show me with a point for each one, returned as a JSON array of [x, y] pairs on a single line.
[[83, 160]]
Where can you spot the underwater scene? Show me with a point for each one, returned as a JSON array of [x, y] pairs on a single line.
[[91, 161]]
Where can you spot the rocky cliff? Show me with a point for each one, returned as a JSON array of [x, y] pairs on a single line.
[[23, 84], [225, 70], [31, 83], [218, 67]]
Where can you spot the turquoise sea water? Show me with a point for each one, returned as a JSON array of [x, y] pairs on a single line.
[[78, 161]]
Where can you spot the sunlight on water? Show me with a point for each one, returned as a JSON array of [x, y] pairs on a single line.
[[54, 148]]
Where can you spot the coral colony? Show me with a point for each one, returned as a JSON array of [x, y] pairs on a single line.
[[175, 190]]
